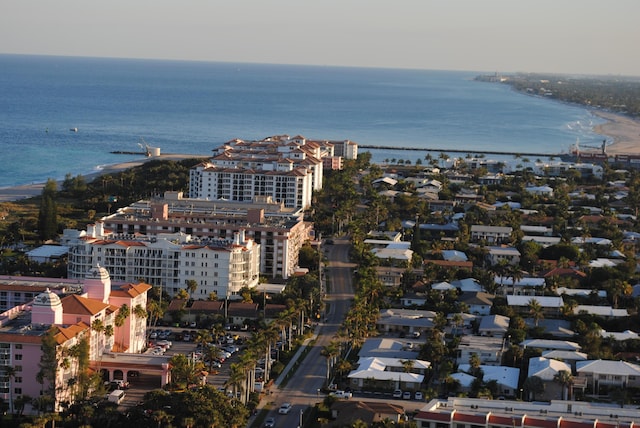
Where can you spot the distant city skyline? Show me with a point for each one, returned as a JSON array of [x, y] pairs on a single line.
[[571, 37]]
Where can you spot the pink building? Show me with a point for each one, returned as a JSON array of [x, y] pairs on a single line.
[[70, 318]]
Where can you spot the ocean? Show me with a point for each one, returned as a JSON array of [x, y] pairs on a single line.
[[192, 107]]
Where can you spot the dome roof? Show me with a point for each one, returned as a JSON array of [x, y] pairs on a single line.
[[47, 298], [97, 272]]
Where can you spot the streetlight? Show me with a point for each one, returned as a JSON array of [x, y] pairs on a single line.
[[301, 413]]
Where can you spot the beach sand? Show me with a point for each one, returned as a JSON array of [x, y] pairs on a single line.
[[624, 131]]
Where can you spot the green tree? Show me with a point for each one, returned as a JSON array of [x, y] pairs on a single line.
[[536, 311], [48, 213], [565, 379]]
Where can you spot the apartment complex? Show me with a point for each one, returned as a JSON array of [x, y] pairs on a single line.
[[168, 261], [273, 235], [286, 169], [70, 317]]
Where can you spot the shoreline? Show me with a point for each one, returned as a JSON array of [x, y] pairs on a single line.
[[624, 131], [26, 191]]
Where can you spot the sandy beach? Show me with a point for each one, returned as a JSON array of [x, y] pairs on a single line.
[[624, 131]]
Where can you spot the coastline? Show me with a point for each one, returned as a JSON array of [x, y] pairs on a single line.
[[624, 131], [16, 193]]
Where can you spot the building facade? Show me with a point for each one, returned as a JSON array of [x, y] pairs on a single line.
[[278, 231], [52, 324], [287, 169], [169, 261]]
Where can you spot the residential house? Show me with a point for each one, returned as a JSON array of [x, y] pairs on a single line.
[[488, 349], [491, 234], [387, 374], [346, 412], [505, 377], [496, 254], [615, 374], [388, 348], [409, 321], [546, 369], [493, 325], [551, 305], [479, 302]]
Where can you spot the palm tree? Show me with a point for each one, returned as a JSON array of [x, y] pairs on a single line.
[[191, 285], [536, 311], [330, 352], [121, 316], [10, 373], [407, 365], [236, 379], [203, 338], [108, 332], [565, 379], [533, 385]]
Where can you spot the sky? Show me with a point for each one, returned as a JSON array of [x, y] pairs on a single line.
[[555, 36]]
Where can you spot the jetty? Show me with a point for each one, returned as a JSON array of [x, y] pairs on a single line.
[[449, 150]]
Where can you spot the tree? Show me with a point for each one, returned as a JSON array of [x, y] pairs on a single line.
[[330, 352], [48, 364], [121, 317], [9, 373], [565, 379], [48, 213], [407, 365], [191, 285], [617, 288], [533, 385], [536, 311]]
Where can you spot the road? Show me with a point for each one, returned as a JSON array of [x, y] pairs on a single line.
[[303, 389]]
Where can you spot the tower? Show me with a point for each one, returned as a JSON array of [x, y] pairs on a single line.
[[97, 284], [46, 309]]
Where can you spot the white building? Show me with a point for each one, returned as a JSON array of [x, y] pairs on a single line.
[[287, 169], [169, 261], [279, 231]]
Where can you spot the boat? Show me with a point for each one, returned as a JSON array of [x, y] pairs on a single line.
[[73, 129]]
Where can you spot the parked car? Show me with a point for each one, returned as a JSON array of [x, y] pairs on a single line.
[[406, 395], [418, 395], [341, 394], [397, 393], [284, 409]]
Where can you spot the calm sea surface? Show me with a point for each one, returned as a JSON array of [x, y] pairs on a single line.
[[191, 107]]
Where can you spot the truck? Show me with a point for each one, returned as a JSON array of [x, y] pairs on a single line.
[[116, 396]]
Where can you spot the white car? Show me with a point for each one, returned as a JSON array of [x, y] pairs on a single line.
[[284, 409], [418, 395], [341, 394], [397, 393]]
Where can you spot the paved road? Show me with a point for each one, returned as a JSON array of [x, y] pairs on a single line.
[[303, 390]]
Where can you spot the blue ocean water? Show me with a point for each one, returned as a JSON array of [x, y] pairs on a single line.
[[191, 107]]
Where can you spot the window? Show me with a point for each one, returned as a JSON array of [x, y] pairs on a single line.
[[17, 391], [18, 357], [18, 368], [18, 345], [17, 379]]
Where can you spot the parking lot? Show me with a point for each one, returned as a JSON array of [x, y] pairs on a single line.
[[144, 383]]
